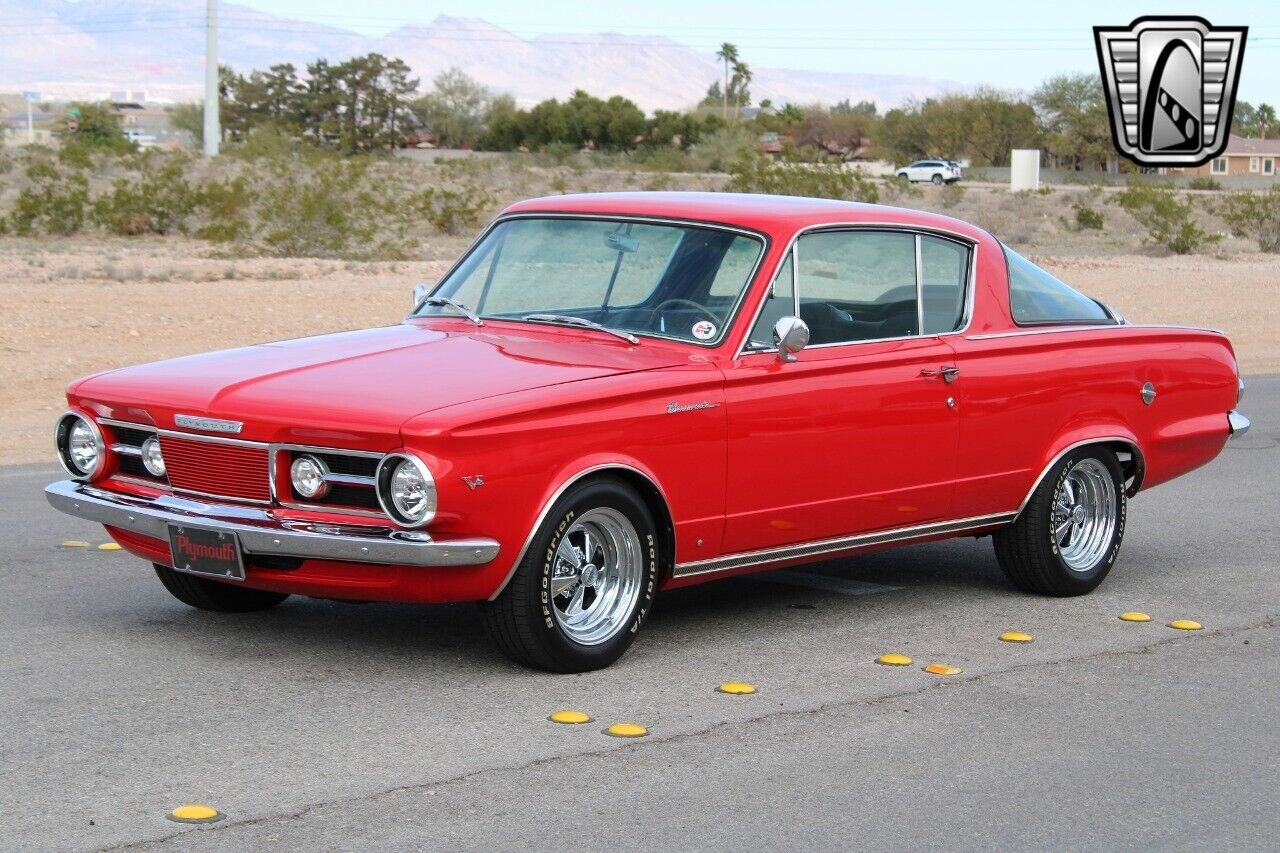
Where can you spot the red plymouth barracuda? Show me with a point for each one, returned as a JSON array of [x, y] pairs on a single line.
[[610, 395]]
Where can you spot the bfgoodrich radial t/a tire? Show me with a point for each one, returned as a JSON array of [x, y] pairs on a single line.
[[217, 596], [1066, 538], [583, 589]]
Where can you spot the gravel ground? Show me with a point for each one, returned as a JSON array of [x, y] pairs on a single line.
[[74, 307]]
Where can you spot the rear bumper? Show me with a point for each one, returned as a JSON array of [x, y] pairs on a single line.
[[1237, 424], [260, 532]]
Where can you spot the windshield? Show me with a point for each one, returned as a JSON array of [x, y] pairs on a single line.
[[670, 281]]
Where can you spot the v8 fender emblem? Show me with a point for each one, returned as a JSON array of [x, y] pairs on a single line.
[[474, 482]]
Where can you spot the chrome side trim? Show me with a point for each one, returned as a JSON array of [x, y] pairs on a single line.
[[1085, 327], [840, 544], [564, 487], [917, 231], [732, 315], [126, 449], [1139, 465], [1237, 424], [259, 532]]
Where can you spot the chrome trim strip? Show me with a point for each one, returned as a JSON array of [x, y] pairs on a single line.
[[917, 231], [336, 451], [126, 449], [228, 498], [546, 509], [334, 509], [1048, 330], [350, 480], [1140, 465], [128, 424], [1237, 424], [839, 544], [261, 533], [764, 239]]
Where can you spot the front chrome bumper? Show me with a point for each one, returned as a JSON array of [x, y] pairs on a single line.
[[1237, 424], [260, 532]]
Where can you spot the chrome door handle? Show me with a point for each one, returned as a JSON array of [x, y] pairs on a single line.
[[947, 372]]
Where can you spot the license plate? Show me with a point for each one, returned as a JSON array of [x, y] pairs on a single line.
[[201, 551]]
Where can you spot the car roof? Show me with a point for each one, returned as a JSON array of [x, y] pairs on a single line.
[[772, 214]]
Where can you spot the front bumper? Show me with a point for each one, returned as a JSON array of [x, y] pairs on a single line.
[[1237, 424], [260, 532]]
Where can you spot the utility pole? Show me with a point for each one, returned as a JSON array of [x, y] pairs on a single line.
[[212, 130]]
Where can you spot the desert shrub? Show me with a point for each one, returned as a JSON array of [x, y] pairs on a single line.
[[226, 208], [1255, 215], [76, 154], [899, 188], [952, 194], [55, 203], [756, 173], [158, 201], [1169, 221], [1088, 219], [721, 148], [661, 158], [1204, 183], [452, 211]]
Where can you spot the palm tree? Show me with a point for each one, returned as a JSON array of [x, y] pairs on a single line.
[[728, 53], [741, 79]]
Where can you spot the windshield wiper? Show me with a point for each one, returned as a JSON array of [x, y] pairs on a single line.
[[580, 322], [441, 301]]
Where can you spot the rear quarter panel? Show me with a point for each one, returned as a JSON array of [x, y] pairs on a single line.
[[1028, 395]]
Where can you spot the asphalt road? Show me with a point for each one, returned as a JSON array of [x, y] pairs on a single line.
[[324, 726]]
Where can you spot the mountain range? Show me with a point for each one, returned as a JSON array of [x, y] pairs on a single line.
[[84, 49]]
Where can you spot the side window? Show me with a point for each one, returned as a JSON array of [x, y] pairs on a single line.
[[944, 267], [778, 303], [1035, 296], [857, 285]]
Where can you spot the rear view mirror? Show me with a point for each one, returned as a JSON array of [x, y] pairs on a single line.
[[791, 334], [619, 242], [420, 292]]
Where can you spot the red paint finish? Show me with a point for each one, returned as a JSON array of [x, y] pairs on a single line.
[[849, 439]]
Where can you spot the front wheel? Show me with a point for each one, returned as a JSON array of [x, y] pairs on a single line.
[[217, 596], [1066, 538], [584, 587]]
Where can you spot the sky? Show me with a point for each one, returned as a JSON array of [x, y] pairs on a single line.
[[1008, 44]]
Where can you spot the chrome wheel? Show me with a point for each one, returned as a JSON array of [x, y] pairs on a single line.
[[1084, 514], [596, 579]]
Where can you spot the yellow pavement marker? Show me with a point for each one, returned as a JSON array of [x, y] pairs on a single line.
[[626, 730], [75, 543], [894, 659], [737, 688], [1135, 616], [195, 813], [1185, 625], [109, 546], [942, 669], [1016, 637], [570, 718]]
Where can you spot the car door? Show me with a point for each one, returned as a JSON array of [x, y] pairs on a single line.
[[860, 432]]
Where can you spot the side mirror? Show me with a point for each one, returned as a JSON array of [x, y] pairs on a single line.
[[420, 292], [791, 334]]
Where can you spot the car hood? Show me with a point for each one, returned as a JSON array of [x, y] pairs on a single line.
[[360, 386]]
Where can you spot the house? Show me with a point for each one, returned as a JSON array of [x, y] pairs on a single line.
[[1244, 156]]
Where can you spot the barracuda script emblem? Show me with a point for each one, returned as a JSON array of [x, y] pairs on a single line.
[[208, 424], [674, 408], [1170, 84]]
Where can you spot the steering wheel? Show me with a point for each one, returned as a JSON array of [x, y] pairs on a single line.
[[703, 310]]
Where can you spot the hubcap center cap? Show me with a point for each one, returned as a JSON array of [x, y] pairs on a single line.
[[1078, 514], [590, 575]]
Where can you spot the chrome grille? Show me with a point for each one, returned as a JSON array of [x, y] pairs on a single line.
[[217, 468]]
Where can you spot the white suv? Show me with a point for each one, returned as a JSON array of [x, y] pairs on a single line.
[[938, 171]]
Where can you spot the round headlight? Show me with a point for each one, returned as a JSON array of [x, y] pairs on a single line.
[[310, 477], [406, 489], [152, 458], [80, 447]]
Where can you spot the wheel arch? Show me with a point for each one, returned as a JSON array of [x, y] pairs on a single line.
[[644, 484], [1128, 452]]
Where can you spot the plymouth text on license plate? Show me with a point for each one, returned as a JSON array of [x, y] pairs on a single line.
[[205, 552]]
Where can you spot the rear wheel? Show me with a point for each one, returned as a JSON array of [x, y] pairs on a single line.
[[219, 597], [1066, 538], [579, 596], [937, 180]]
